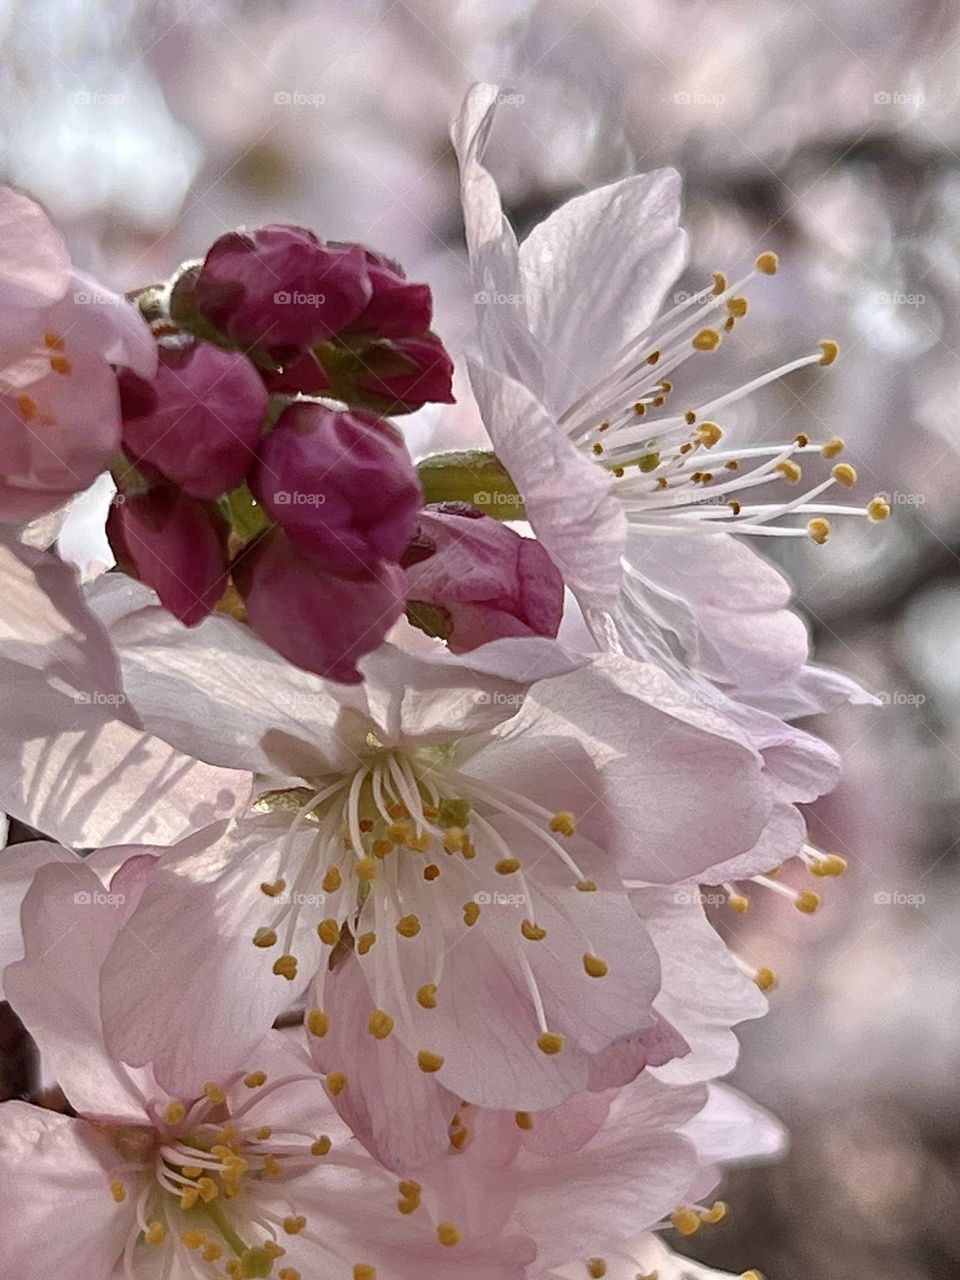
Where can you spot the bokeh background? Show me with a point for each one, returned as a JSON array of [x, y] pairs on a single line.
[[829, 131]]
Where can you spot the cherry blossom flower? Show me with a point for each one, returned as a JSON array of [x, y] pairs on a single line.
[[252, 1175], [61, 333], [463, 827], [635, 502]]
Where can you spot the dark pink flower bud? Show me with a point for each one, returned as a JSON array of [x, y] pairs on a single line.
[[176, 545], [340, 484], [404, 375], [280, 288], [305, 376], [397, 307], [315, 618], [471, 579], [198, 421]]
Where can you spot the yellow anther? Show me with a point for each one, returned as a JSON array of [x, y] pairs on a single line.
[[286, 967], [379, 1024], [408, 926], [336, 1082], [807, 901], [215, 1093], [410, 1190], [550, 1043], [318, 1023], [738, 307], [563, 823], [273, 889], [689, 417], [431, 871], [265, 938], [523, 1119], [398, 810], [833, 447], [400, 832], [264, 1133], [60, 364], [507, 866], [118, 1190], [596, 1268], [447, 1234], [686, 1221], [789, 470], [54, 341], [598, 448], [751, 1275], [587, 886], [294, 1225], [739, 902], [594, 966], [830, 864], [830, 350], [322, 1146], [532, 932], [706, 340], [155, 1233], [189, 1197], [469, 848], [208, 1190], [255, 1080], [802, 439], [427, 996], [175, 1113], [212, 1252], [27, 406], [332, 880], [453, 839], [380, 848], [878, 509], [365, 942], [429, 1062], [194, 1239], [288, 1273], [471, 912], [709, 434], [716, 1213], [719, 282], [366, 869], [272, 1167], [819, 530], [653, 357], [844, 474], [191, 1170], [328, 932], [765, 979], [458, 1140], [362, 1272], [767, 262]]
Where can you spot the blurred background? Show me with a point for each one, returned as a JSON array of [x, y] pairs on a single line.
[[828, 131]]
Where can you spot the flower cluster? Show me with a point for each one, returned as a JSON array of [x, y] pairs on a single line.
[[367, 935]]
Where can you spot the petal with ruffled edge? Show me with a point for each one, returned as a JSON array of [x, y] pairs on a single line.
[[59, 1216], [595, 273], [183, 986]]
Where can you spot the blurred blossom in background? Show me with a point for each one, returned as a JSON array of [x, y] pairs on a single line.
[[828, 131]]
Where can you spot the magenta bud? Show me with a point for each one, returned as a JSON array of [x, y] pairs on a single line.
[[314, 618], [340, 484], [198, 421], [397, 307], [280, 288], [481, 580], [174, 544], [404, 375]]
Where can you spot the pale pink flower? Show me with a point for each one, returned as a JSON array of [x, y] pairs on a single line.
[[253, 1173], [61, 334], [636, 502], [464, 826]]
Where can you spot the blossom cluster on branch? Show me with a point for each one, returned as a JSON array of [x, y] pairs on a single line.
[[379, 804]]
